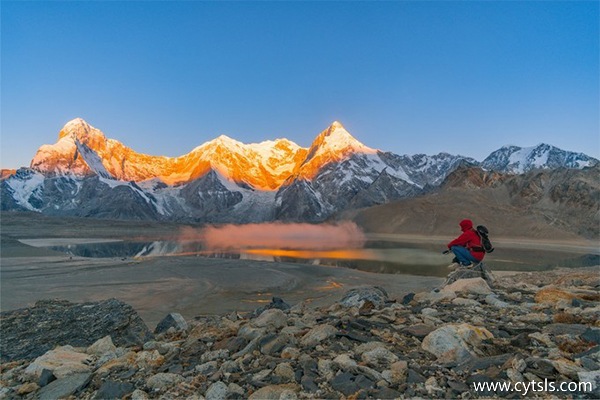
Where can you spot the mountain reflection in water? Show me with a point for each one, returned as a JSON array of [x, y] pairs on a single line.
[[376, 256]]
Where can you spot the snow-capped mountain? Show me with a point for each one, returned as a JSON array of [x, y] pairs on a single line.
[[223, 180], [518, 160], [84, 150]]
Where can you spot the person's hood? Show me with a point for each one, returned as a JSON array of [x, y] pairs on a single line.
[[466, 224]]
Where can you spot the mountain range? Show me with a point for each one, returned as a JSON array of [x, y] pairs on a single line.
[[89, 175], [556, 204]]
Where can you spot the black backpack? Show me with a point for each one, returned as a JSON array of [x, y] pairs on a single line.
[[486, 245]]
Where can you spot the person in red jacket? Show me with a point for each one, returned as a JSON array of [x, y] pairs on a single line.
[[467, 247]]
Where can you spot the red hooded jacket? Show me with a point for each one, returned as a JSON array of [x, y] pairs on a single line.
[[469, 239]]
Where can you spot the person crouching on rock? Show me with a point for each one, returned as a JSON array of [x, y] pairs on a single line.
[[467, 247]]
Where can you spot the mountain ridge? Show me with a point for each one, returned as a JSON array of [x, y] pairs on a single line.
[[279, 158], [518, 160], [272, 161], [224, 180], [557, 203]]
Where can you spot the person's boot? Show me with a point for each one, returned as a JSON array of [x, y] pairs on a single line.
[[453, 266]]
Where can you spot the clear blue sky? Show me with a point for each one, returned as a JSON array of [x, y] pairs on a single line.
[[464, 77]]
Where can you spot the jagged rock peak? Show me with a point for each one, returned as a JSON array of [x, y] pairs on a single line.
[[335, 129], [235, 145], [467, 175], [225, 139], [336, 137], [7, 173], [337, 125], [78, 128], [515, 159], [333, 144]]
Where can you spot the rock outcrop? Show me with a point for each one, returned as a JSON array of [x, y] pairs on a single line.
[[432, 345], [30, 332]]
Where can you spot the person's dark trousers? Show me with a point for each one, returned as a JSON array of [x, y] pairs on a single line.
[[463, 255]]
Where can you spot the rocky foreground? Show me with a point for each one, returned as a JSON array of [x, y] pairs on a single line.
[[517, 329]]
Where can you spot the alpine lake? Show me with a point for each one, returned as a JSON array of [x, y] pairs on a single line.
[[377, 256]]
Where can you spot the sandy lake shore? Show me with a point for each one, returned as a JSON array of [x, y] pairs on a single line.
[[191, 286], [155, 287]]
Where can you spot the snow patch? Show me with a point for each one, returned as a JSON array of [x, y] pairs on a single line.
[[378, 165], [24, 189], [92, 159], [112, 183]]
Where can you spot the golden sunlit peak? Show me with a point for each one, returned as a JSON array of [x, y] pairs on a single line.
[[264, 166], [74, 126], [337, 136], [333, 144], [77, 122], [227, 139], [337, 125]]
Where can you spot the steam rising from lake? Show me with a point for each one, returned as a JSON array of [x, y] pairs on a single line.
[[279, 235]]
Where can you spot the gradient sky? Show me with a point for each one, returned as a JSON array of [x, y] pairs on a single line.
[[463, 77]]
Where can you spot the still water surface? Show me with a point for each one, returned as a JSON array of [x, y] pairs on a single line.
[[375, 256]]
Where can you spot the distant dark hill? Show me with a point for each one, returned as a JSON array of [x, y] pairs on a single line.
[[541, 204]]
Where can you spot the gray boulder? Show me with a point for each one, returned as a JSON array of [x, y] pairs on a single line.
[[173, 320], [479, 271], [358, 296], [65, 387], [276, 302], [28, 333]]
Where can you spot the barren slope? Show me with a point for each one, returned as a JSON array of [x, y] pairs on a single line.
[[556, 205]]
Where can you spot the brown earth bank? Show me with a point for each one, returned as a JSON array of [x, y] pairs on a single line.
[[560, 204], [440, 214], [189, 285]]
